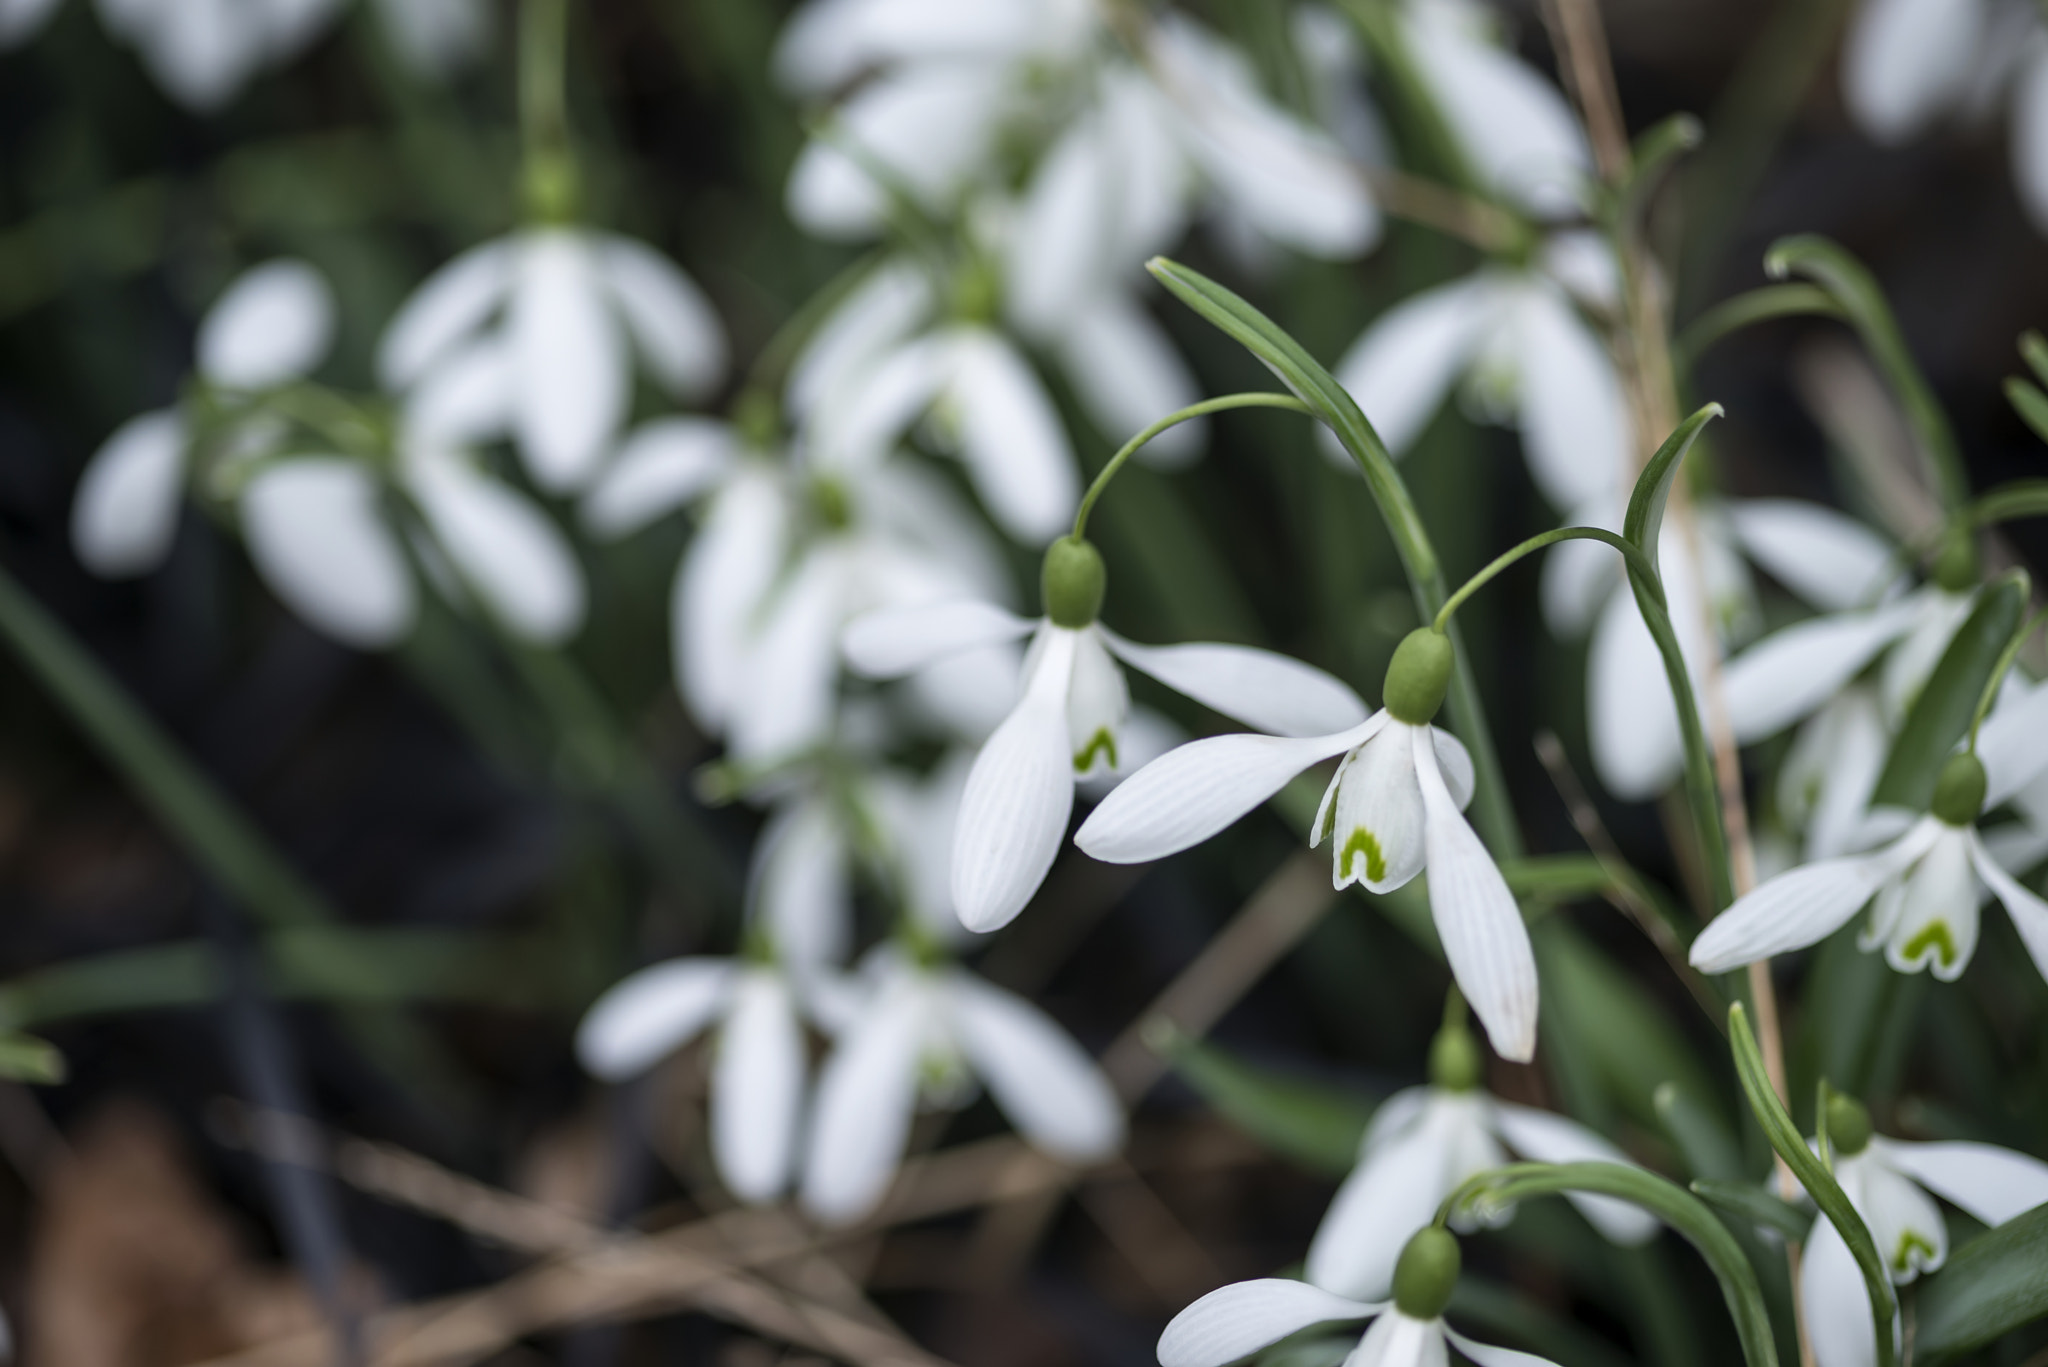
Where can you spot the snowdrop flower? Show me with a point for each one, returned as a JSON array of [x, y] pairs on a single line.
[[1393, 809], [1888, 1181], [538, 332], [1238, 1320], [1421, 1146], [1069, 715], [758, 1074], [926, 1029], [1926, 907], [1907, 62], [1824, 785]]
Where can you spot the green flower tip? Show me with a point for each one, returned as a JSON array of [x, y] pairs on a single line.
[[1956, 568], [977, 293], [1959, 792], [835, 509], [1454, 1062], [1426, 1273], [1074, 582], [1848, 1124], [1418, 675], [551, 190], [756, 418]]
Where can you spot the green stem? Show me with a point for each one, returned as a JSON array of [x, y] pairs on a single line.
[[1750, 307], [2023, 498], [1998, 672], [1669, 1203], [1636, 559], [1191, 412], [1814, 1176], [551, 187]]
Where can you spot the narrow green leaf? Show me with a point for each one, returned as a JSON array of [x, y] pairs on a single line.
[[1619, 1027], [1312, 1123], [24, 1058], [2034, 349], [1820, 1184], [1652, 153], [1751, 1202], [2030, 403], [1747, 308], [1703, 1142], [1645, 518], [1992, 1285], [1940, 716], [2011, 502]]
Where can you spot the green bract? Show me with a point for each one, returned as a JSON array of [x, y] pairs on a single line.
[[1454, 1059], [1418, 676], [1073, 580], [1959, 791], [1427, 1273], [1848, 1124]]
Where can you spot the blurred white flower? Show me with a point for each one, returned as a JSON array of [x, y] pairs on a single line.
[[1235, 1321], [1067, 724], [538, 333], [927, 1030]]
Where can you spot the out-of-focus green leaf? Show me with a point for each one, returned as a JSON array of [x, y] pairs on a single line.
[[1992, 1285], [1324, 1350], [2022, 497], [1312, 1123], [24, 1058], [2034, 350], [1752, 306], [1941, 714], [1701, 1138], [1628, 1036], [2030, 403], [1484, 1307], [1751, 1202]]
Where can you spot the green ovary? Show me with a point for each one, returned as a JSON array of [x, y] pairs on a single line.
[[1101, 743], [1934, 935], [1363, 843], [1902, 1258]]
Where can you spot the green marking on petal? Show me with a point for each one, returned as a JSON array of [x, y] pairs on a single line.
[[1902, 1259], [1934, 935], [1101, 743], [1362, 842]]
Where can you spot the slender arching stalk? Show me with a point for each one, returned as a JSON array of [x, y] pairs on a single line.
[[1637, 562], [1188, 414]]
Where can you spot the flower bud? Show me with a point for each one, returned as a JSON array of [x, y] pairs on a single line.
[[1418, 675], [1955, 567], [1073, 581], [1959, 792], [1426, 1273], [1848, 1124], [1454, 1059]]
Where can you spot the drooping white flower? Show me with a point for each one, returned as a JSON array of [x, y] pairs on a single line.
[[1393, 810], [1924, 882], [1826, 781], [1888, 1181], [926, 1030], [1070, 711], [539, 333]]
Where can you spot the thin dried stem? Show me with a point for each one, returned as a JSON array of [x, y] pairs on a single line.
[[1581, 45]]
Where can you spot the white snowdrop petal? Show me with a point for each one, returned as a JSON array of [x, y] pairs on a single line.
[[1128, 376], [803, 883], [1011, 438], [719, 585], [1454, 762], [453, 302], [1394, 1191], [1933, 924], [2013, 743], [757, 1088], [1264, 690], [1908, 664], [505, 549], [465, 400], [1828, 558], [784, 704], [1632, 723], [2030, 140], [1377, 824], [274, 323], [1794, 670], [315, 532], [125, 511], [1189, 794], [1835, 1305], [663, 465], [929, 124], [1019, 794], [436, 36], [1055, 257], [1904, 1222], [1545, 1137], [891, 642], [2029, 912], [1904, 60], [673, 324], [1489, 1355], [1802, 907], [867, 1094], [1098, 699], [1991, 1183], [1397, 1340], [1856, 746], [1048, 1087], [860, 420], [1400, 368], [881, 310], [646, 1014], [1477, 919], [1574, 420], [573, 375], [1579, 576], [20, 19], [1234, 1321], [200, 54]]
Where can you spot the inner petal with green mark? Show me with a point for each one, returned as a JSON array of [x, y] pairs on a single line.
[[1102, 743], [1934, 940], [1909, 1243], [1362, 844]]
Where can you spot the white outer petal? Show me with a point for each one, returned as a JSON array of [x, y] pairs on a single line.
[[125, 512], [784, 703], [866, 1096], [1796, 669], [2030, 139], [1476, 918], [1828, 558], [465, 400], [1905, 60], [1011, 439], [663, 465], [1236, 1320], [719, 586], [803, 883], [274, 323], [1398, 1340], [646, 1014], [453, 302], [1055, 255], [1836, 1306], [506, 549], [673, 324], [1262, 689], [1048, 1087], [1546, 1137], [1189, 794], [930, 125], [2013, 743], [1804, 906], [1403, 1174], [1128, 375], [573, 372], [1574, 420], [1400, 368], [19, 20], [891, 642], [1489, 1355], [880, 312], [757, 1088], [1991, 1183], [2029, 912], [314, 530], [1014, 811]]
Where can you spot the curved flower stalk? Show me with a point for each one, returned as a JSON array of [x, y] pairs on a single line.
[[1069, 717], [1393, 810], [1422, 1145], [1907, 63], [537, 334], [923, 1030], [1889, 1181], [1409, 1331], [1925, 881]]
